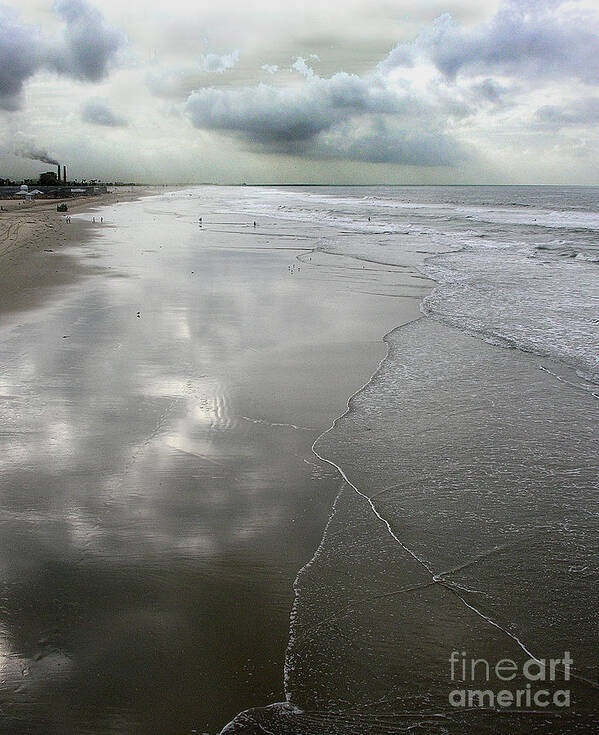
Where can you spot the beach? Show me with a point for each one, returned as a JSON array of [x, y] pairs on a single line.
[[160, 503], [273, 466], [30, 231]]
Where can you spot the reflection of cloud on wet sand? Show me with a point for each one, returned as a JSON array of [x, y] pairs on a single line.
[[149, 533]]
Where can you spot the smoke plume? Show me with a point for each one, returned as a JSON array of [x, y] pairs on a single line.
[[28, 149]]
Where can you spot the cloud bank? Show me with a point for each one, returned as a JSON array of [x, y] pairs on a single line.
[[510, 98], [268, 114], [413, 106], [342, 116]]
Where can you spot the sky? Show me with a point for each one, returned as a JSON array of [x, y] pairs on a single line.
[[353, 92]]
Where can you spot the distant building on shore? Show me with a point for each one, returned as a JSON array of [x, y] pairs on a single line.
[[51, 185], [48, 188]]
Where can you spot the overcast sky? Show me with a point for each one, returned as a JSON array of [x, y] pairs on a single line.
[[360, 91]]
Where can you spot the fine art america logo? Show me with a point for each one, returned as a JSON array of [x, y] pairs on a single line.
[[506, 684]]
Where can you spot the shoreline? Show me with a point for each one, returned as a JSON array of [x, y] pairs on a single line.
[[343, 479], [495, 630]]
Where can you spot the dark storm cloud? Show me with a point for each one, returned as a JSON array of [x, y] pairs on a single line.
[[19, 57], [268, 114], [340, 117], [386, 143], [538, 37], [84, 51], [97, 112], [89, 42], [261, 114]]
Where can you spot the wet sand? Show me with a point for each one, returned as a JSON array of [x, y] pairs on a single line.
[[159, 492], [33, 236]]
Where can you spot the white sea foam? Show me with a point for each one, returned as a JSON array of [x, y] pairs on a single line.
[[514, 281]]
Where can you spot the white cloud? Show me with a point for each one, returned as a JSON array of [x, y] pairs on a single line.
[[300, 65], [216, 64], [540, 38], [423, 103]]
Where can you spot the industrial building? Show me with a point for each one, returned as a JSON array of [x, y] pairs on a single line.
[[50, 186]]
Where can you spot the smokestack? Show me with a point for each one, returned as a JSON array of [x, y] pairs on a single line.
[[64, 174], [58, 172]]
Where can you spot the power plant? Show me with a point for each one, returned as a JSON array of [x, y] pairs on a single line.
[[50, 186]]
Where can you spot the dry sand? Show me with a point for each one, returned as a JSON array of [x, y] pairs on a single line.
[[31, 237]]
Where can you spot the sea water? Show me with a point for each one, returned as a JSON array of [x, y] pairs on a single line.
[[467, 514]]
